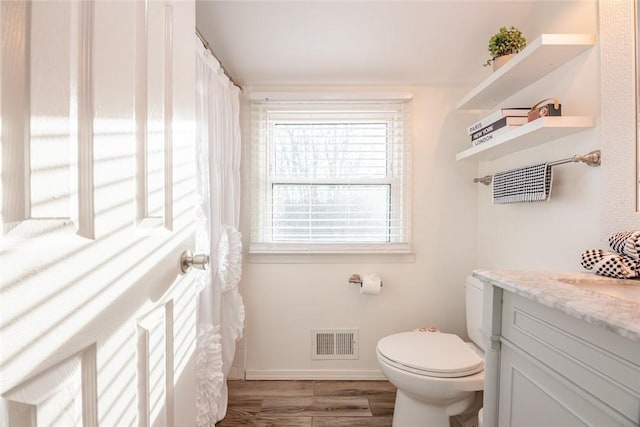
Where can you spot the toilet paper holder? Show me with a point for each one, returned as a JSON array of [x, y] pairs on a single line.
[[355, 278]]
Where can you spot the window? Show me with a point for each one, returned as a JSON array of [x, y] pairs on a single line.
[[330, 176]]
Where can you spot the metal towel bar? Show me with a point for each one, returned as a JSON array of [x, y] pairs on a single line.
[[590, 159]]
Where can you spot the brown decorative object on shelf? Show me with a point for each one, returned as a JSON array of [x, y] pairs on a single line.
[[545, 109], [501, 60]]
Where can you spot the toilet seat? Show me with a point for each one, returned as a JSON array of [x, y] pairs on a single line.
[[431, 354]]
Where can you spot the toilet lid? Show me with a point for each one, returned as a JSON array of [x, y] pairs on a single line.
[[432, 353]]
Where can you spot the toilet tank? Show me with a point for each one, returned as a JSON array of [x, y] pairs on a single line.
[[474, 302]]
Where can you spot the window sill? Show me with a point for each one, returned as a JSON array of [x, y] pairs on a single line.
[[330, 253]]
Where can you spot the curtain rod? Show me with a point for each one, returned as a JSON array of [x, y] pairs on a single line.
[[206, 45]]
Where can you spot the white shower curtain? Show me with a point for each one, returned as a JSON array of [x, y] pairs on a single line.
[[220, 313]]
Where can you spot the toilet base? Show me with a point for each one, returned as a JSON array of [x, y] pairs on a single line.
[[409, 412]]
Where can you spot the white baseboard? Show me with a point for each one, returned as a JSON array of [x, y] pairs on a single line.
[[344, 375]]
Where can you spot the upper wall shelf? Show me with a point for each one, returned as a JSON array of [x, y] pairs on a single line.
[[539, 58]]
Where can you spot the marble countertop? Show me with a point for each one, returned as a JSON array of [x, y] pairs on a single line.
[[610, 303]]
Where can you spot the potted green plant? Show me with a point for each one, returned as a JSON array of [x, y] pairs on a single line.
[[503, 45]]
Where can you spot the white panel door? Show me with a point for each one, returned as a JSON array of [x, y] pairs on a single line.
[[97, 325]]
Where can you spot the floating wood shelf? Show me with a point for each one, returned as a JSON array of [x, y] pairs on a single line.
[[534, 133], [539, 58]]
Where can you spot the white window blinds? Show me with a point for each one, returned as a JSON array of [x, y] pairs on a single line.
[[330, 173]]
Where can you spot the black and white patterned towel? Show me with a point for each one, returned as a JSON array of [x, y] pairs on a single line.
[[626, 243], [610, 264], [527, 184]]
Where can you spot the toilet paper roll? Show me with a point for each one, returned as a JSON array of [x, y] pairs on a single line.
[[371, 285]]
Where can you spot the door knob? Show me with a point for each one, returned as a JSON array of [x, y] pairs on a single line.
[[188, 260]]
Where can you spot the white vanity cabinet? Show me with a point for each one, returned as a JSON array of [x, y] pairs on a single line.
[[555, 360]]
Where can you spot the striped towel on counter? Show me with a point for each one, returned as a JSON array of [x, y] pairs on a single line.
[[527, 184]]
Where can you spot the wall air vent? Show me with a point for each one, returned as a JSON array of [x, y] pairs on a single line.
[[334, 344]]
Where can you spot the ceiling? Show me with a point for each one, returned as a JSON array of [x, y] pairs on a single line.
[[376, 42]]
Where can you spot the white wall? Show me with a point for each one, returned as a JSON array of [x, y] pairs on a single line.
[[456, 228], [284, 301], [550, 236]]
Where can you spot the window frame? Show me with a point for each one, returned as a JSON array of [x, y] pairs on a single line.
[[398, 182]]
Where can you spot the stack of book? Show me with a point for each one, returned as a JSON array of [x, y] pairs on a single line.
[[497, 123]]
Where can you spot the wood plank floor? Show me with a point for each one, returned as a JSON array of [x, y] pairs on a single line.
[[309, 404]]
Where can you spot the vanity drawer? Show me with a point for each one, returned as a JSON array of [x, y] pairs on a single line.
[[597, 361]]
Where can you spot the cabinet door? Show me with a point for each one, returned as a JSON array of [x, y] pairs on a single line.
[[532, 395]]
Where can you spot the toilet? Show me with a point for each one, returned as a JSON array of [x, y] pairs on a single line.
[[436, 374]]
